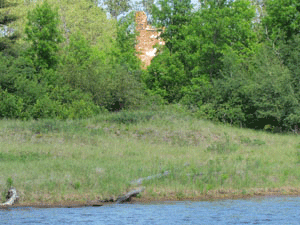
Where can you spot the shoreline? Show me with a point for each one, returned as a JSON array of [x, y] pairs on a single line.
[[210, 196], [99, 161]]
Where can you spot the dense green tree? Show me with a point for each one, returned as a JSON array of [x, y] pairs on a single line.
[[197, 45], [8, 36], [91, 20], [83, 15], [282, 26], [172, 15], [124, 52], [44, 36], [282, 19], [110, 79], [166, 76], [257, 94], [117, 7], [7, 3], [224, 25]]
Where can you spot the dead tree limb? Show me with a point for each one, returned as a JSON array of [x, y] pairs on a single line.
[[140, 180], [11, 197], [132, 193]]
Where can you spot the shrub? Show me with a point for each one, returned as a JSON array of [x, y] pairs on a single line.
[[11, 106], [82, 109], [46, 108]]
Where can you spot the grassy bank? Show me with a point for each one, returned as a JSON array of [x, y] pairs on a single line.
[[51, 161]]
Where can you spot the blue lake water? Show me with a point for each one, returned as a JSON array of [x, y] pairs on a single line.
[[266, 210]]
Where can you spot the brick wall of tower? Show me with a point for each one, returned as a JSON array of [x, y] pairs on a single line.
[[148, 37]]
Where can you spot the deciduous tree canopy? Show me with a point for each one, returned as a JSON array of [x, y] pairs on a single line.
[[231, 61]]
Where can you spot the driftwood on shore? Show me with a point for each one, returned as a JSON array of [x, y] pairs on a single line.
[[140, 180], [133, 193], [130, 194], [11, 197]]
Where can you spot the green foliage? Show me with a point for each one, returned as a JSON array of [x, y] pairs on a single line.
[[194, 54], [117, 7], [6, 18], [289, 54], [44, 36], [9, 38], [111, 78], [39, 95], [124, 52], [11, 106], [82, 109], [64, 103], [166, 76], [274, 98], [226, 25], [39, 84], [200, 91], [172, 15], [7, 45], [111, 86], [83, 15], [254, 94], [270, 90], [282, 19], [212, 61], [7, 3]]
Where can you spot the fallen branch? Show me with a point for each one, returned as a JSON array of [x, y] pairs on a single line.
[[11, 197], [130, 194], [140, 180]]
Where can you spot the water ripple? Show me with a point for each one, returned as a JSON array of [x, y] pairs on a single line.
[[278, 210]]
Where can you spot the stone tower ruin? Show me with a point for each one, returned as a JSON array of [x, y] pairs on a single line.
[[148, 37]]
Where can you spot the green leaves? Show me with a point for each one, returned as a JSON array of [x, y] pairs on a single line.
[[44, 36], [117, 7], [112, 77], [172, 15], [124, 52], [223, 25], [166, 76], [283, 19], [197, 42]]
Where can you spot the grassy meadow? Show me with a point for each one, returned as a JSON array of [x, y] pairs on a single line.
[[52, 161]]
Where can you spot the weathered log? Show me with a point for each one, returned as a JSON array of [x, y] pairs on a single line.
[[130, 194], [11, 197], [140, 180]]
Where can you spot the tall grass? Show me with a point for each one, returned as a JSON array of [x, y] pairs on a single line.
[[97, 158]]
